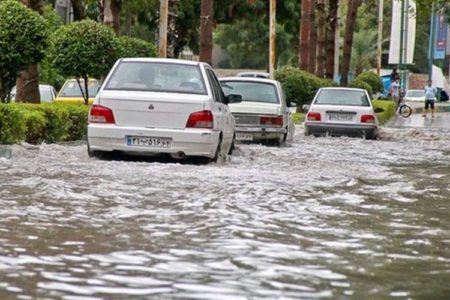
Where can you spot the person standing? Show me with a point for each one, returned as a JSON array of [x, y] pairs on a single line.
[[394, 74], [430, 96], [395, 92]]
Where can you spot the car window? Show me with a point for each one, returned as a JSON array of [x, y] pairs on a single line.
[[342, 97], [252, 91], [415, 94], [217, 89], [46, 94], [72, 89], [158, 77]]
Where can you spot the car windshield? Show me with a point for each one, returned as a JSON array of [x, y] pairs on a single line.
[[72, 89], [251, 91], [46, 94], [157, 77], [417, 94], [342, 97]]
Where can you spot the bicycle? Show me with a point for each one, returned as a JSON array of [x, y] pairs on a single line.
[[403, 109]]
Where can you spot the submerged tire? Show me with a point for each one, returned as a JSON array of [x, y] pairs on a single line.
[[405, 111]]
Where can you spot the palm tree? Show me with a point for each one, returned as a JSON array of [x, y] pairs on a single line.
[[110, 13], [348, 38], [312, 38], [27, 84], [364, 51], [332, 21], [305, 24], [206, 29], [79, 10], [320, 58]]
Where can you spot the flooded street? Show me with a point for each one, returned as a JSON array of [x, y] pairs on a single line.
[[326, 218]]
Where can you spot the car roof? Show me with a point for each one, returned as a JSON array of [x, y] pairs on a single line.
[[253, 74], [162, 60], [249, 79], [343, 89]]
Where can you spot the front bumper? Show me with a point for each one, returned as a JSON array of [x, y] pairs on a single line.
[[191, 142], [260, 133], [341, 129]]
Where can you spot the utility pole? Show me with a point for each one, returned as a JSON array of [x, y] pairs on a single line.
[[380, 35], [206, 30], [431, 43], [163, 17], [337, 42], [272, 42]]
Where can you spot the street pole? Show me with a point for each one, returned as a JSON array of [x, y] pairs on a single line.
[[431, 44], [402, 28], [272, 42], [163, 17], [380, 35], [405, 44], [337, 42]]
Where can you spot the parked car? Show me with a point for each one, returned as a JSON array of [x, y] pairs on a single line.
[[263, 115], [47, 93], [415, 95], [341, 111], [70, 92], [253, 74], [162, 106]]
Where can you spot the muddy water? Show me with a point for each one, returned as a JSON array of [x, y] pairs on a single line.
[[327, 218]]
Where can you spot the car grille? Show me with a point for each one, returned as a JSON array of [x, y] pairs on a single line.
[[246, 119]]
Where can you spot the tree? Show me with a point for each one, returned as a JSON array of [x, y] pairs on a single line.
[[320, 58], [84, 49], [312, 38], [79, 10], [110, 13], [132, 47], [348, 39], [332, 20], [206, 30], [305, 24], [23, 39], [27, 84]]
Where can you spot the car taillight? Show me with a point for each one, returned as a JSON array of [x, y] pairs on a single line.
[[313, 116], [367, 119], [101, 114], [270, 121], [201, 119]]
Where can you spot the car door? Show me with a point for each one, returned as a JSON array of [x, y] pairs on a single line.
[[221, 111]]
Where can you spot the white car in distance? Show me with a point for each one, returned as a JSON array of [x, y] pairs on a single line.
[[415, 95], [341, 111], [263, 115], [161, 106]]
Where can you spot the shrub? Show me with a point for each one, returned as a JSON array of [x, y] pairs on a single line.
[[371, 79], [388, 108], [299, 86], [36, 122], [78, 118], [84, 49], [57, 126], [12, 124], [132, 47], [23, 40], [357, 83]]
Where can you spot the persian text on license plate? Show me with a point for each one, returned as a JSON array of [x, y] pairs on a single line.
[[152, 142], [340, 117], [244, 137]]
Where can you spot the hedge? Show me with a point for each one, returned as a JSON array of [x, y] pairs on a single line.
[[371, 79], [360, 84], [388, 108], [37, 123]]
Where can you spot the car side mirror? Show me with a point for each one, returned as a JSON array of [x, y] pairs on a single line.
[[306, 107], [233, 98], [378, 110]]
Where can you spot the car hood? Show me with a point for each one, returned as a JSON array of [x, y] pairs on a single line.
[[415, 98], [247, 107]]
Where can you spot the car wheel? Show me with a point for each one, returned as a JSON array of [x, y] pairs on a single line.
[[217, 154], [96, 154], [370, 136], [232, 147]]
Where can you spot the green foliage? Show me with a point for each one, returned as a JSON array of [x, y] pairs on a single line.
[[23, 39], [133, 47], [37, 123], [388, 108], [298, 117], [360, 84], [299, 86], [84, 49], [12, 124], [371, 79]]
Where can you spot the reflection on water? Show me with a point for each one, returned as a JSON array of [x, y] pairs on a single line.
[[324, 218]]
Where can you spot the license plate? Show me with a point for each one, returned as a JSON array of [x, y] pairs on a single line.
[[152, 142], [340, 117], [244, 137]]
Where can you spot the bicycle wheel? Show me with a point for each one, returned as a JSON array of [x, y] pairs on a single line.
[[405, 110]]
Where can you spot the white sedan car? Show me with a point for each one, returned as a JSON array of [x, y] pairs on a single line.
[[263, 115], [341, 111], [415, 95], [161, 106]]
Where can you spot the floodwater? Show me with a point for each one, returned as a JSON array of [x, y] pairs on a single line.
[[326, 218]]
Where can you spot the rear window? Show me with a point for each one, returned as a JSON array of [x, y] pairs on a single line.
[[72, 89], [415, 94], [157, 77], [342, 97], [252, 91]]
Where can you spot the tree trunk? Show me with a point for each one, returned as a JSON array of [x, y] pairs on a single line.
[[206, 28], [172, 30], [312, 38], [27, 84], [330, 47], [110, 11], [305, 24], [320, 62], [348, 39], [79, 11]]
